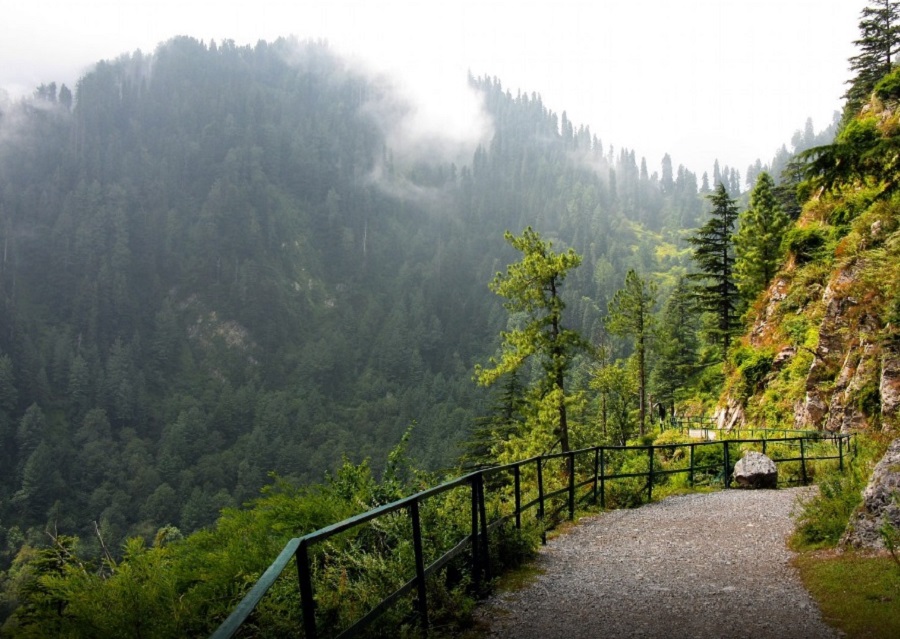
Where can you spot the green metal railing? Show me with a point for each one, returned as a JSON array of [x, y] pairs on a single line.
[[575, 470], [707, 429]]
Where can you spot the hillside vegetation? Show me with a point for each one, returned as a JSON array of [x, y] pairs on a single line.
[[823, 348], [220, 262], [224, 270]]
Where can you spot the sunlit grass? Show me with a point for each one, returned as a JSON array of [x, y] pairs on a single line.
[[859, 594]]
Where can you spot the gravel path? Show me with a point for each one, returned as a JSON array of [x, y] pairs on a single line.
[[701, 565]]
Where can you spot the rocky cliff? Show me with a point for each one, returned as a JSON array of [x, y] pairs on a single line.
[[826, 330]]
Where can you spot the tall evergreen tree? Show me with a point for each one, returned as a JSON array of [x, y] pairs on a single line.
[[667, 181], [758, 240], [532, 287], [631, 315], [878, 43], [616, 386], [676, 344], [504, 419], [714, 254]]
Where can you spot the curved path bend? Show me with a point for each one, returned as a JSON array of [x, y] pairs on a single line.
[[696, 566]]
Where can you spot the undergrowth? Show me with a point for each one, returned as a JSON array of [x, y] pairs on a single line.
[[822, 518]]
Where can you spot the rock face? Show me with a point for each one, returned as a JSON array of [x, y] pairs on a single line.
[[729, 416], [832, 349], [859, 370], [755, 470], [881, 503], [889, 385], [833, 309], [776, 294]]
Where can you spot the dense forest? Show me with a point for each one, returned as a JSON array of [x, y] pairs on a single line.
[[218, 264]]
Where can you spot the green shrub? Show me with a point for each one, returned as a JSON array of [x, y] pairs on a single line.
[[868, 399], [807, 244], [187, 587], [860, 133], [753, 366], [708, 462], [888, 88], [822, 519]]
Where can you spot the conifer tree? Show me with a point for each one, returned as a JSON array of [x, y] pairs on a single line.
[[532, 287], [631, 315], [676, 344], [714, 254], [758, 241], [504, 419], [667, 182], [616, 386], [878, 43]]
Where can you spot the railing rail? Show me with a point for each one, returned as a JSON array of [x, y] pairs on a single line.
[[596, 458]]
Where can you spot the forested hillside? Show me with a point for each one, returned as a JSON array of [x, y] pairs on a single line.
[[215, 265], [222, 262]]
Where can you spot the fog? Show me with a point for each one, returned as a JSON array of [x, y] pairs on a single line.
[[700, 80]]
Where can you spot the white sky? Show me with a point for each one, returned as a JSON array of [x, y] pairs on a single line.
[[699, 79]]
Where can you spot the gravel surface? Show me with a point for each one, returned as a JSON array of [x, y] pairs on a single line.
[[700, 565]]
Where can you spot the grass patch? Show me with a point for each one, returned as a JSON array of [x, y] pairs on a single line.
[[859, 594], [518, 579]]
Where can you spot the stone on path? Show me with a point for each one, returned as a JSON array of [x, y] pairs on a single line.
[[755, 470]]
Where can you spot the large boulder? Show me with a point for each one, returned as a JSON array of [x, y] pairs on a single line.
[[755, 470], [881, 503]]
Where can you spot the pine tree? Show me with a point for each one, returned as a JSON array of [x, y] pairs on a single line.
[[8, 402], [878, 43], [666, 181], [676, 344], [616, 387], [504, 419], [532, 287], [758, 240], [714, 253], [631, 315]]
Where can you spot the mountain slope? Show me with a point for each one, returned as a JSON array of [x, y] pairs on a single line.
[[823, 351], [219, 262]]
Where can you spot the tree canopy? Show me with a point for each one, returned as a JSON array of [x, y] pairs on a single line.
[[758, 243], [533, 287], [713, 254], [631, 315], [878, 45]]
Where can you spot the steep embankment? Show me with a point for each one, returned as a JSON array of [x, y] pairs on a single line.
[[823, 350]]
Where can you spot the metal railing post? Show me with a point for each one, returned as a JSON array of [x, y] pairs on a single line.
[[691, 471], [602, 477], [482, 510], [476, 560], [650, 476], [307, 601], [571, 465], [803, 461], [421, 590], [596, 468], [841, 454], [517, 480], [540, 480], [726, 464]]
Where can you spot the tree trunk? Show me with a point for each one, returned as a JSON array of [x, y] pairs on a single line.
[[563, 421]]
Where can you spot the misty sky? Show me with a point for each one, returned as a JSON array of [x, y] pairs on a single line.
[[699, 79]]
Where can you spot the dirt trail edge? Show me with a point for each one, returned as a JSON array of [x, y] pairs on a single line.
[[701, 566]]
